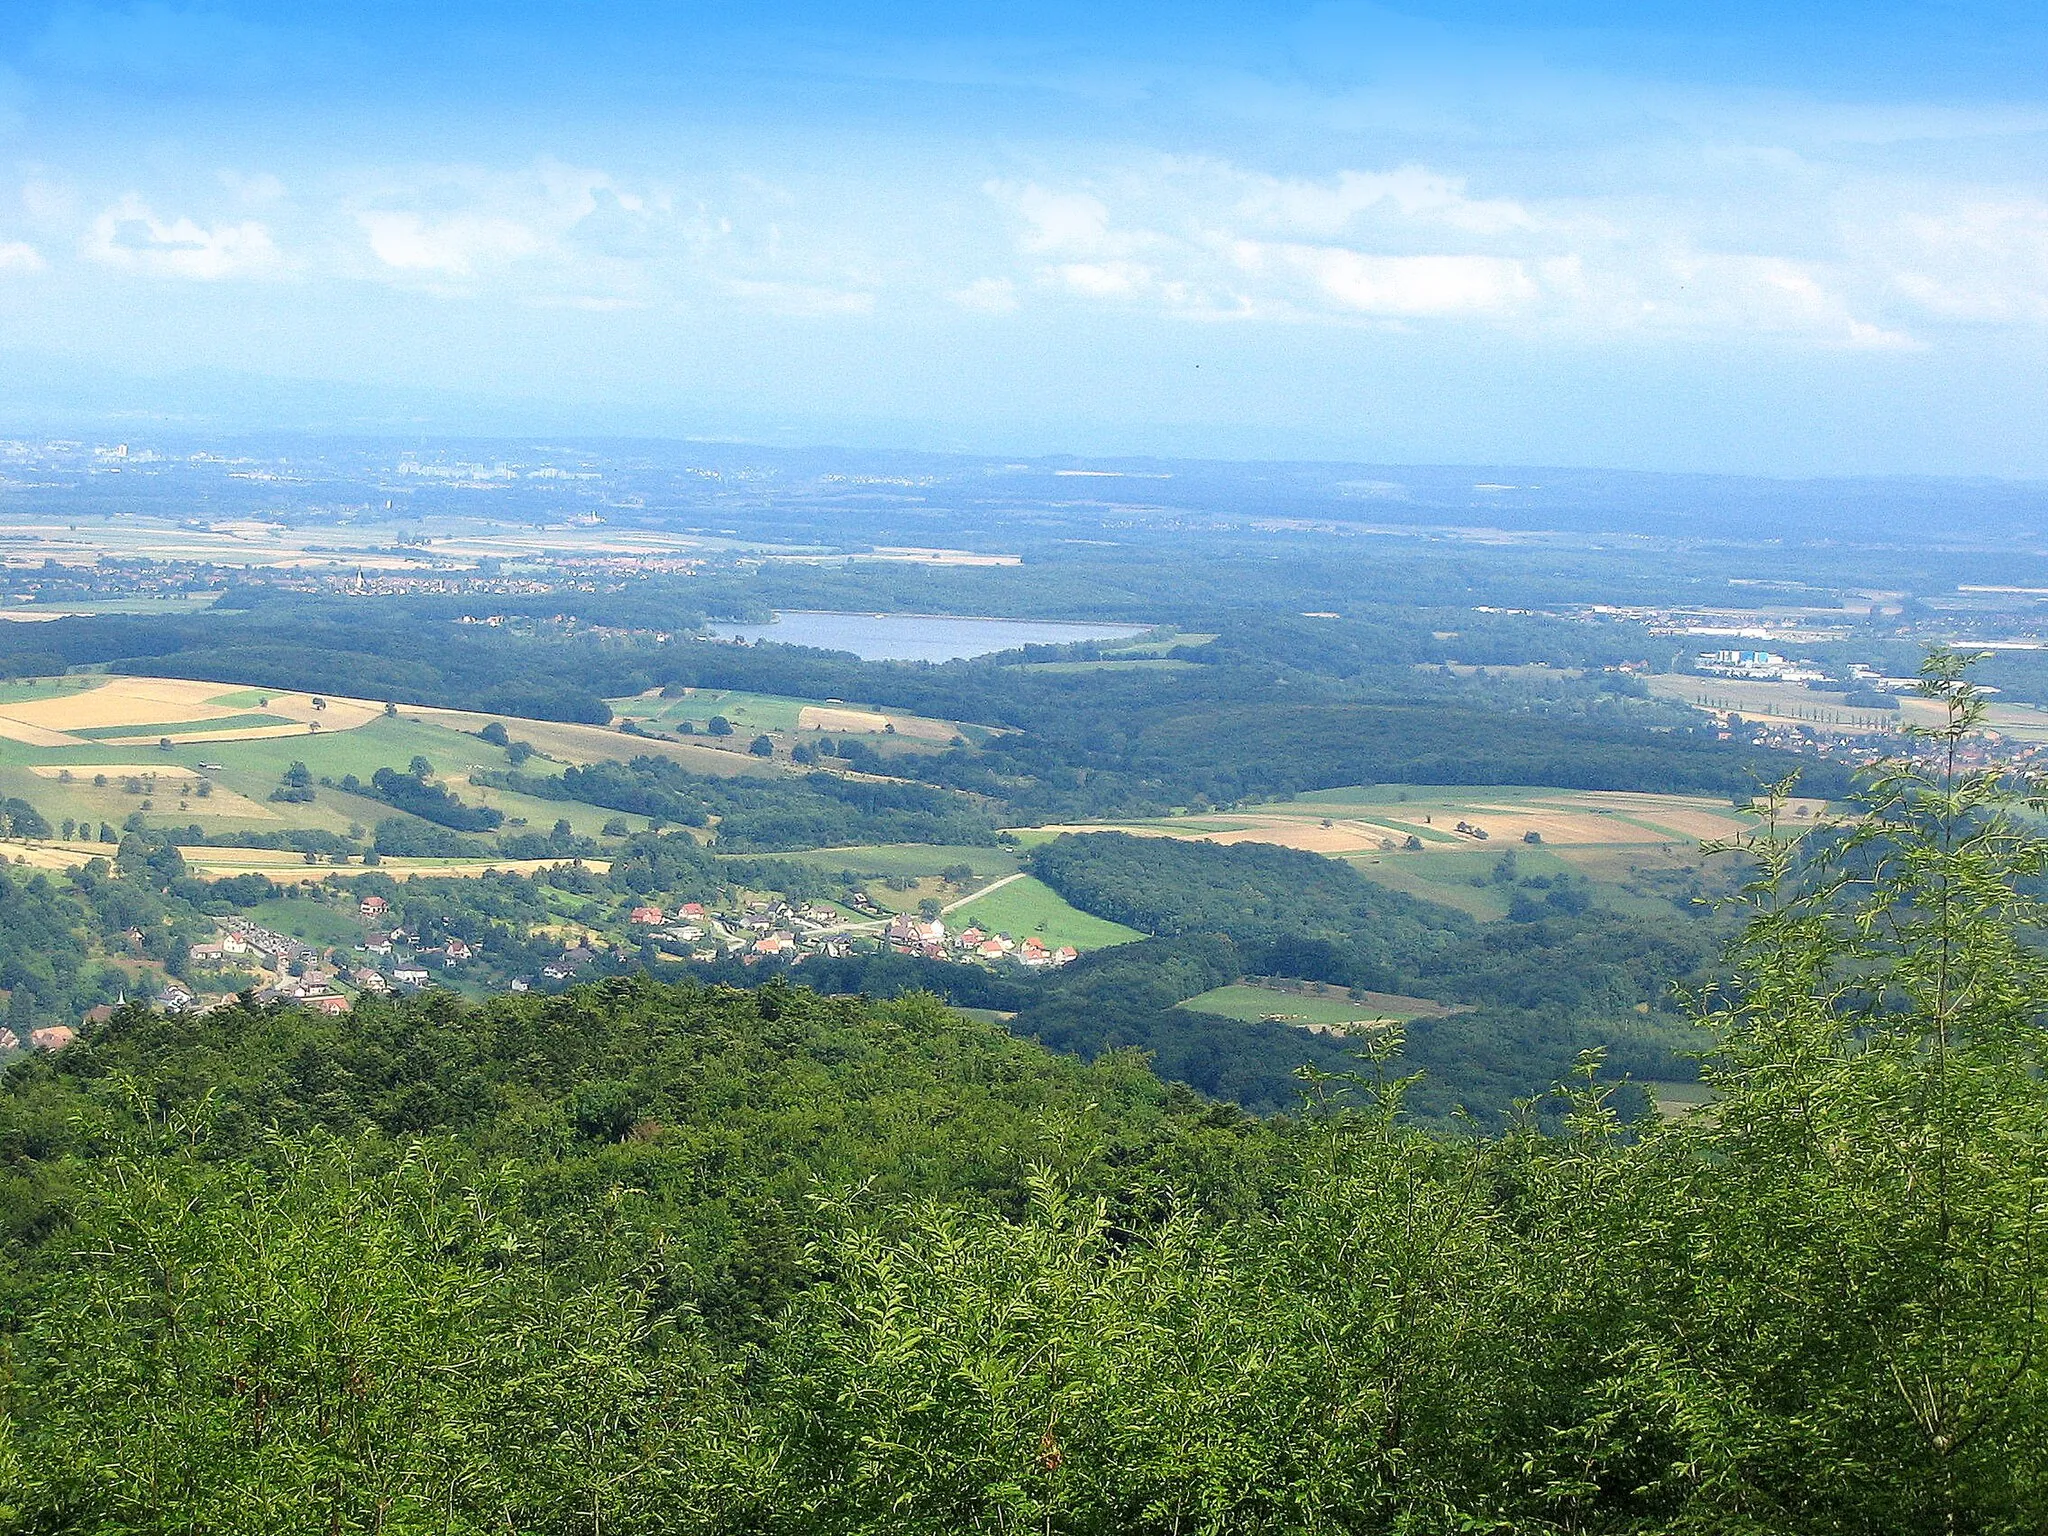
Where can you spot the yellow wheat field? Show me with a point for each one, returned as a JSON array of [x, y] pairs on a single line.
[[149, 703]]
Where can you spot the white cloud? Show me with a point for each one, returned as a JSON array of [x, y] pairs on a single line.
[[451, 247], [1202, 238], [1072, 222], [19, 256], [130, 236], [1105, 279], [1983, 260]]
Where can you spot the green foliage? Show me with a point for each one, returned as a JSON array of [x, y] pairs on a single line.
[[647, 1259], [767, 815]]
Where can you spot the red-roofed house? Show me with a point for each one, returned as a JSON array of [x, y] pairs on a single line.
[[649, 917]]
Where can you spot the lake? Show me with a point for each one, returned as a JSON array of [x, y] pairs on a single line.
[[916, 636]]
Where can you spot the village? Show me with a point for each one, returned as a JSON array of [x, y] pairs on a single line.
[[389, 960]]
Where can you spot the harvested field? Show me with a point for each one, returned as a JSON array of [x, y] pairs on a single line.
[[825, 717], [832, 717], [139, 709]]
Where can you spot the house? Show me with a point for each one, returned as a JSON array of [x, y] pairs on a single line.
[[646, 917], [234, 944], [969, 937], [774, 944], [206, 954], [177, 999], [520, 984], [367, 980], [9, 1040], [1064, 954], [456, 951], [95, 1015], [378, 943], [410, 976], [372, 907], [692, 909], [57, 1036], [329, 1003]]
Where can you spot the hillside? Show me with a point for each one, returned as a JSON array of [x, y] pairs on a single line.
[[650, 1258]]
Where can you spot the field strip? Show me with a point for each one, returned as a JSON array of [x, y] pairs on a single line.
[[284, 866], [199, 735], [37, 735]]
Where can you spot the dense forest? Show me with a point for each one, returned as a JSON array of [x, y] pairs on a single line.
[[819, 810], [655, 1259]]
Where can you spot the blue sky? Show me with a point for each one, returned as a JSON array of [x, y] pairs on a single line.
[[1789, 239]]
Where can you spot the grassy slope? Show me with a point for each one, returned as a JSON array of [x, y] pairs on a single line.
[[1028, 906]]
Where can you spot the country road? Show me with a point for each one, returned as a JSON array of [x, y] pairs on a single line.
[[993, 885]]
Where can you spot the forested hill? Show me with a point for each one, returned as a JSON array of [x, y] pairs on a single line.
[[1534, 992]]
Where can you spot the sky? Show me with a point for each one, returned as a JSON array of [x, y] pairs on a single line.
[[1787, 239]]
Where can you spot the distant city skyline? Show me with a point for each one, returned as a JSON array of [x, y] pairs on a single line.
[[1782, 240]]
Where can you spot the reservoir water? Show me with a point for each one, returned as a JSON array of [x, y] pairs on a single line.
[[916, 636]]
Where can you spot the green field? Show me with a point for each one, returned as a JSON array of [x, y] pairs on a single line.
[[1028, 906], [20, 690], [311, 921], [1249, 1003], [182, 727]]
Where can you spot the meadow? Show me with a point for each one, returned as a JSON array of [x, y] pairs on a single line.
[[1027, 907]]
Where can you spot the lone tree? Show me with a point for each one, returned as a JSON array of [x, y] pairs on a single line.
[[761, 746]]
